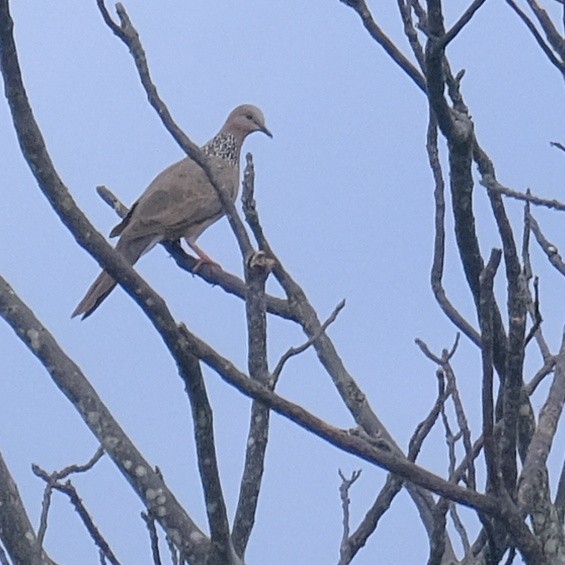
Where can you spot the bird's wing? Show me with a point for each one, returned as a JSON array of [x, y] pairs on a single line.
[[119, 228], [178, 198]]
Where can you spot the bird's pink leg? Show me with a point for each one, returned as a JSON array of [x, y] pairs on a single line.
[[203, 257]]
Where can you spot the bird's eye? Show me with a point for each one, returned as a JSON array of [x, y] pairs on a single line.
[[249, 116]]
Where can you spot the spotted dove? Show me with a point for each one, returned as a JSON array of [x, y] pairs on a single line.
[[180, 202]]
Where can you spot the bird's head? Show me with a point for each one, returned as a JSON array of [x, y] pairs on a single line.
[[244, 120]]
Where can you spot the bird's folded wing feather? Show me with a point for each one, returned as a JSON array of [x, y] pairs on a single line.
[[180, 197]]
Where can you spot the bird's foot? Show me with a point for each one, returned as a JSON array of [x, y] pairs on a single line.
[[203, 258], [205, 261]]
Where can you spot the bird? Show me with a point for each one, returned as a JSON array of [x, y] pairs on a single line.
[[180, 202]]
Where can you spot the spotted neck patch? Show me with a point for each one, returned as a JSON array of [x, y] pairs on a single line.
[[224, 146]]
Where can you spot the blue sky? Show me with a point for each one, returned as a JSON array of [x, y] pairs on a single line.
[[345, 197]]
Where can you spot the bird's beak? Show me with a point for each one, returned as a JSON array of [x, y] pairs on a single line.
[[266, 131]]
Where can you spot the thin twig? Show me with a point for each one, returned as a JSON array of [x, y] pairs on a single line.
[[538, 319], [532, 304], [547, 369], [537, 36], [460, 528], [110, 22], [56, 476], [462, 421], [112, 200], [45, 505], [461, 22], [432, 356], [451, 389], [3, 557], [65, 472], [292, 351], [52, 481], [553, 36], [410, 32], [150, 523], [385, 42], [450, 439], [346, 484], [425, 426], [549, 249], [68, 489], [173, 550], [495, 186]]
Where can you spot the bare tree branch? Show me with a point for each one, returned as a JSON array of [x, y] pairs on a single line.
[[492, 184], [549, 249], [459, 528], [381, 38], [293, 351], [3, 557], [553, 36], [537, 36], [533, 305], [221, 550], [256, 272], [353, 398], [16, 532], [487, 338], [533, 490], [438, 539], [560, 496], [344, 488], [439, 238], [35, 152], [69, 378], [154, 539], [410, 32], [461, 22], [52, 483]]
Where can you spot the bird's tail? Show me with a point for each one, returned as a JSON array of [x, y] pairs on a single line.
[[104, 283], [98, 291]]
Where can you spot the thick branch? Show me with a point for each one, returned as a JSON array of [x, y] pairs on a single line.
[[517, 312], [533, 491], [191, 373], [439, 238], [487, 339], [256, 273], [148, 484]]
